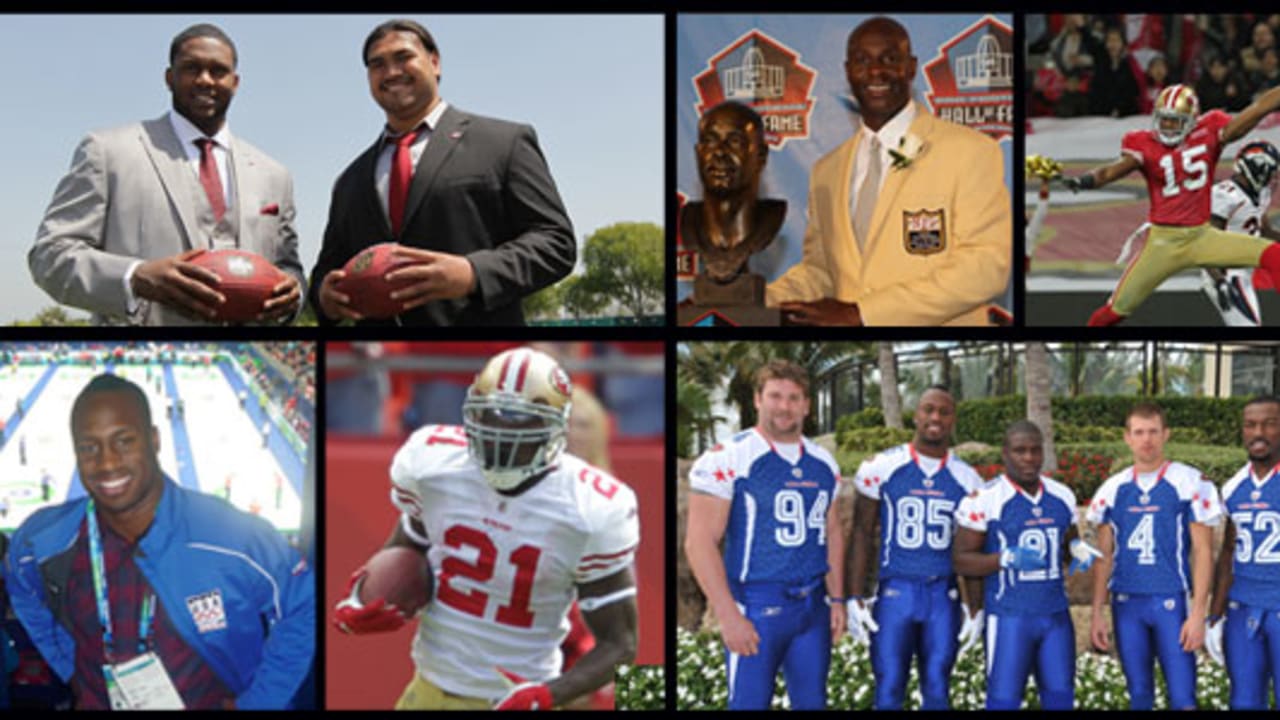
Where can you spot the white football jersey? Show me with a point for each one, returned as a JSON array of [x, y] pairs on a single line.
[[1242, 215], [506, 568]]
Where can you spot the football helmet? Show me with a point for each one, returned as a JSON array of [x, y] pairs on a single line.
[[515, 416], [1179, 104], [1257, 163]]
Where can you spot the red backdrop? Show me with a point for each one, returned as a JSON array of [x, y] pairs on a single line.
[[369, 672]]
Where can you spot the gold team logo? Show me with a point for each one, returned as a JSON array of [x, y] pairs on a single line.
[[759, 71], [924, 232], [971, 79]]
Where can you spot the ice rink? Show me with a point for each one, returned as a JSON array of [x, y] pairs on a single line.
[[213, 445]]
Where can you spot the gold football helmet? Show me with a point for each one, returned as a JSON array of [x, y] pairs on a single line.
[[1177, 108], [515, 416]]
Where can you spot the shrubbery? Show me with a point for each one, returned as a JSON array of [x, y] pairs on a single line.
[[700, 681], [640, 687], [1212, 421]]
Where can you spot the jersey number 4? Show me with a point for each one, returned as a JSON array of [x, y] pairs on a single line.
[[474, 602], [1194, 168]]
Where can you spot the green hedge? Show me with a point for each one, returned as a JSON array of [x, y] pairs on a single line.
[[1085, 466], [872, 439], [1213, 421], [700, 680], [640, 687]]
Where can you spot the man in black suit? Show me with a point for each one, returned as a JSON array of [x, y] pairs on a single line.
[[469, 198]]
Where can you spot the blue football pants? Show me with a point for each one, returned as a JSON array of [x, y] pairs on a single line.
[[795, 635], [1252, 645], [1146, 628], [1017, 645], [917, 618]]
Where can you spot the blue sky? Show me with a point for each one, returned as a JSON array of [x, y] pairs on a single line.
[[591, 85]]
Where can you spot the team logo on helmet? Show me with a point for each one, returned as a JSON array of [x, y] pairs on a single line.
[[559, 381], [1257, 163], [1179, 106]]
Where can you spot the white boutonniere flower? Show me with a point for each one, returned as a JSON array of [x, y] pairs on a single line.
[[909, 148]]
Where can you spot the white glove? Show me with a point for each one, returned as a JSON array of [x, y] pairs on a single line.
[[1213, 640], [1082, 556], [970, 629], [861, 624]]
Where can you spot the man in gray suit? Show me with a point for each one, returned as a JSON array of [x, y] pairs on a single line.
[[141, 201], [477, 215]]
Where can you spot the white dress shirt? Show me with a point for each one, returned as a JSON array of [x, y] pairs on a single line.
[[187, 135], [889, 135], [382, 171]]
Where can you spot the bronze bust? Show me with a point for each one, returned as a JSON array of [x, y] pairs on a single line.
[[730, 223]]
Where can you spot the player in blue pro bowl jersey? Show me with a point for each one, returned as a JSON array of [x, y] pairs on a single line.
[[1016, 533], [770, 493], [912, 492], [1155, 530], [1247, 582]]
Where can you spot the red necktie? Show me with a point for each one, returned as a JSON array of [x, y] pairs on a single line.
[[210, 179], [401, 175]]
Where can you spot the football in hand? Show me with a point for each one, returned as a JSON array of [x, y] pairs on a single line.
[[365, 281], [399, 575], [246, 279]]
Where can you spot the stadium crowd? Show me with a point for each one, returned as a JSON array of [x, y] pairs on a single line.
[[1116, 64]]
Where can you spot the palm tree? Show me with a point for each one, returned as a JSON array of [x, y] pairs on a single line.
[[890, 400], [1040, 397]]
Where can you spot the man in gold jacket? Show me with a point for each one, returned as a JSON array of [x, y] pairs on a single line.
[[933, 242]]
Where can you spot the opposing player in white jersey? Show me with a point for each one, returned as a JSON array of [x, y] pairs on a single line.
[[911, 491], [1240, 204], [770, 494], [1016, 533], [515, 529], [1247, 581], [1155, 530]]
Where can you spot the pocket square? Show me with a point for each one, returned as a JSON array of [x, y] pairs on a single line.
[[272, 209]]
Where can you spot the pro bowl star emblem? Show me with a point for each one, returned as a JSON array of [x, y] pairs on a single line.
[[797, 473], [1168, 604], [927, 482], [1145, 499], [1037, 511], [1255, 494]]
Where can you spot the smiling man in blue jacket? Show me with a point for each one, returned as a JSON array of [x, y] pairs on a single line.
[[148, 595]]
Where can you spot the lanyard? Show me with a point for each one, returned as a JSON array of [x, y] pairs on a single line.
[[1159, 474], [100, 590]]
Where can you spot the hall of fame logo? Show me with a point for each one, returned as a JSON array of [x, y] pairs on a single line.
[[971, 79], [759, 71]]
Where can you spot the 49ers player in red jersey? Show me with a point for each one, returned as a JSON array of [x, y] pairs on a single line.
[[1177, 157], [516, 529]]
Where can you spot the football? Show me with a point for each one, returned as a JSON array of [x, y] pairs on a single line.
[[401, 576], [364, 283], [245, 278]]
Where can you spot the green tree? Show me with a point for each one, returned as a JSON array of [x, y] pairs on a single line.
[[624, 264], [53, 316], [546, 304]]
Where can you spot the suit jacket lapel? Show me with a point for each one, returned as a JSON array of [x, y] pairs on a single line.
[[844, 248], [369, 204], [444, 138], [243, 175], [920, 127], [170, 161]]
